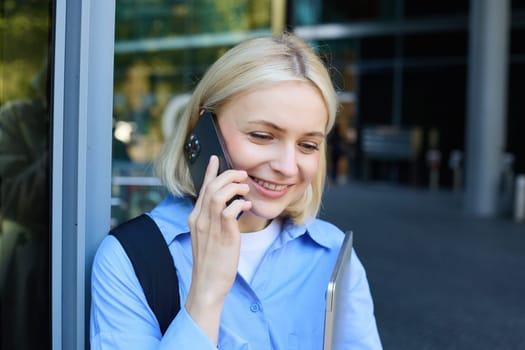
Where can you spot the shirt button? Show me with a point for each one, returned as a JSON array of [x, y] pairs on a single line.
[[254, 307]]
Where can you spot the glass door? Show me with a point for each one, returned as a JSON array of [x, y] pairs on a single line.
[[25, 321]]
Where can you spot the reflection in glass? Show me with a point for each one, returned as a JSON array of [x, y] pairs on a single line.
[[162, 48], [24, 176]]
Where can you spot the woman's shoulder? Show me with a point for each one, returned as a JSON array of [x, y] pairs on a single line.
[[325, 232], [326, 225], [110, 252]]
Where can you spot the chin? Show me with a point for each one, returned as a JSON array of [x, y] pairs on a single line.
[[267, 213]]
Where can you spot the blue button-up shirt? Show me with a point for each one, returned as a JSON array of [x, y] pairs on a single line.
[[282, 308]]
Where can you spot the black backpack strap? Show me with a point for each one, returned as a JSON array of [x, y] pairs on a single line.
[[153, 265]]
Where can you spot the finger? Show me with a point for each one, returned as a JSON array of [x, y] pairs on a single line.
[[227, 193], [211, 169], [227, 177], [211, 173], [231, 213], [220, 200]]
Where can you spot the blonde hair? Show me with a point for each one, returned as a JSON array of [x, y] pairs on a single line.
[[265, 60]]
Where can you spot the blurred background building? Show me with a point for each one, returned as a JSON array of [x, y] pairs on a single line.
[[401, 67], [429, 91]]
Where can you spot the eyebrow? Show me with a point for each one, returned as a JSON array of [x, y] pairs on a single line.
[[278, 128]]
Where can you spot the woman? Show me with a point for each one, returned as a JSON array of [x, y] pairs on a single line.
[[257, 281]]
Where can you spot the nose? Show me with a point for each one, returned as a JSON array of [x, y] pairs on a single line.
[[285, 161]]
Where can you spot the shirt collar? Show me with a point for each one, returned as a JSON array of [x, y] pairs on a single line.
[[171, 215], [310, 228]]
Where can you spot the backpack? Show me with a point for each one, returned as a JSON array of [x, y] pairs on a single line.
[[153, 264]]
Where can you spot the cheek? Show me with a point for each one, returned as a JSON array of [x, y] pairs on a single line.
[[232, 144], [239, 149], [310, 167]]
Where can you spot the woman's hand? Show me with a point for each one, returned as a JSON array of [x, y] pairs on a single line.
[[215, 241]]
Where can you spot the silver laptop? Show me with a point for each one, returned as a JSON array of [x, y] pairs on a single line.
[[336, 286]]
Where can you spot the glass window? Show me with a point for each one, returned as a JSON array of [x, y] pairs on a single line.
[[518, 4], [516, 108], [517, 43], [358, 10], [162, 49], [378, 47], [435, 8], [311, 12], [436, 45], [25, 320]]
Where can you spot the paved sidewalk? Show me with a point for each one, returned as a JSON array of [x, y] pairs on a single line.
[[440, 279]]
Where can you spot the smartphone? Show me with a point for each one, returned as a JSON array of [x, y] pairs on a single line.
[[204, 141]]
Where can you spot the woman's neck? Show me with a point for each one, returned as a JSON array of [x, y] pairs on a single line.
[[249, 222]]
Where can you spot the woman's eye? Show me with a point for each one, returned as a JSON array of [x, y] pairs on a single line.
[[260, 136], [309, 147]]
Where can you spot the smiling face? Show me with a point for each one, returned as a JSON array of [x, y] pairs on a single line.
[[275, 133]]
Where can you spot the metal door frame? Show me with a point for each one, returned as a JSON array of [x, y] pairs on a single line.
[[81, 158]]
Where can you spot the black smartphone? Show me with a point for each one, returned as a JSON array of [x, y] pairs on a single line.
[[204, 141]]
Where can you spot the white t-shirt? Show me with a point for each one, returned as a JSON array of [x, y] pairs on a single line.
[[253, 247]]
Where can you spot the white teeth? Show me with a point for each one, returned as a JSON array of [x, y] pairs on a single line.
[[270, 186]]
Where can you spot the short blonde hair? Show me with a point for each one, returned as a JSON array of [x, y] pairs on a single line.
[[265, 60]]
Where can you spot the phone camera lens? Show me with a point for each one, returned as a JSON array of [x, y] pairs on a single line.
[[192, 148]]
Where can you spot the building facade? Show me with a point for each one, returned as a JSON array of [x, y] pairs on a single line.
[[429, 91]]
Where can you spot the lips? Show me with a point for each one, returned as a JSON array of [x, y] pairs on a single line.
[[269, 185]]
